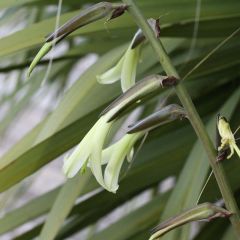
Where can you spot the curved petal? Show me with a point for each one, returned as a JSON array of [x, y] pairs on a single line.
[[78, 158], [106, 154], [129, 68], [130, 155], [112, 75], [122, 148], [98, 139], [112, 171]]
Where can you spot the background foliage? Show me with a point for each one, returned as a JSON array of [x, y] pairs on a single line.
[[189, 30]]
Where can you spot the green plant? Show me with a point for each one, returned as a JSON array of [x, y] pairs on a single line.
[[208, 75]]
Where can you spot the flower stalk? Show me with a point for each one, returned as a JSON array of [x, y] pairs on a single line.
[[193, 115]]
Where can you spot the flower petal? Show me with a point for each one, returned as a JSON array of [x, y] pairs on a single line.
[[98, 139], [122, 148], [130, 155], [129, 68], [78, 158], [112, 75], [106, 154], [112, 171]]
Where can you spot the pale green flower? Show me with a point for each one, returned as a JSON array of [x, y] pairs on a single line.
[[126, 68], [114, 156], [89, 151]]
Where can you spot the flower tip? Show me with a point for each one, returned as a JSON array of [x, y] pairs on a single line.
[[109, 77], [67, 172], [112, 189], [112, 75], [99, 79], [103, 79], [130, 155]]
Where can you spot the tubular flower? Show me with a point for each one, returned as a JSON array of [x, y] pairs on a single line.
[[126, 68], [114, 156], [89, 151]]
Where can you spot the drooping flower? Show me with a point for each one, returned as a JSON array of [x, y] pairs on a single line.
[[126, 68], [115, 155], [89, 151]]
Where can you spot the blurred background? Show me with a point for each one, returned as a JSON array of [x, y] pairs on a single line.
[[32, 156]]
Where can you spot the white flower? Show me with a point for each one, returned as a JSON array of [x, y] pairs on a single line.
[[89, 150], [125, 70], [114, 156], [90, 153]]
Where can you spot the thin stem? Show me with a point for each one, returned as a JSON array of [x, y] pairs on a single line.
[[42, 62], [236, 130], [192, 114]]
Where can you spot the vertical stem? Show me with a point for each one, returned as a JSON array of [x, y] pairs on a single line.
[[192, 114]]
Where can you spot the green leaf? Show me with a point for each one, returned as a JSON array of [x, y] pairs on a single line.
[[138, 220], [14, 3], [229, 235], [222, 26], [63, 205]]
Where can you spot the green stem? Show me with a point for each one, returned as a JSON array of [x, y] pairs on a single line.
[[192, 114]]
